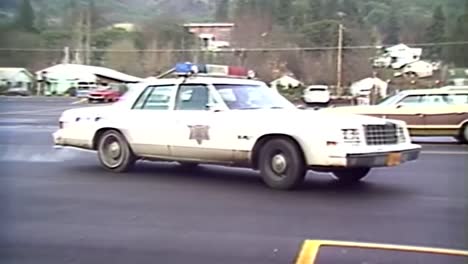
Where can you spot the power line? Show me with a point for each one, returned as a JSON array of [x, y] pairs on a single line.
[[231, 50]]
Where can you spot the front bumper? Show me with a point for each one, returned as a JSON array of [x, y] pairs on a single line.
[[385, 159]]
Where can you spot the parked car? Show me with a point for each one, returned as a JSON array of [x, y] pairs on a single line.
[[316, 95], [104, 94], [428, 112], [237, 122]]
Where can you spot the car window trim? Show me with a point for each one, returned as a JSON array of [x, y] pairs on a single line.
[[151, 87]]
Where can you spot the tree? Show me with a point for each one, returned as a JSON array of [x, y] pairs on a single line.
[[25, 18], [330, 8], [435, 33], [459, 53], [314, 8], [393, 28], [283, 12], [222, 10]]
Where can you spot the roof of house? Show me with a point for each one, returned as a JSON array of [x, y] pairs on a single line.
[[209, 25], [286, 80], [8, 73], [98, 71]]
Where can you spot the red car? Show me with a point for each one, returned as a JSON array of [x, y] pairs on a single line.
[[104, 94]]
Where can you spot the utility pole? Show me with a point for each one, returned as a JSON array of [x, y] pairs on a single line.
[[339, 61], [88, 36]]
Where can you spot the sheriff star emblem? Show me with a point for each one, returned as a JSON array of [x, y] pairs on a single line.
[[199, 133]]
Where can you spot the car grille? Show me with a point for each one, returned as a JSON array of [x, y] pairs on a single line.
[[387, 134]]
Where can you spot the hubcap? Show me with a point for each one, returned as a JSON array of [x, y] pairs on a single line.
[[279, 164], [466, 132], [112, 152]]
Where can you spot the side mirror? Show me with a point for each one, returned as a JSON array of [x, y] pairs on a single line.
[[399, 106]]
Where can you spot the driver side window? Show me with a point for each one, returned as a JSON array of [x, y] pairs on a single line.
[[411, 100], [193, 97]]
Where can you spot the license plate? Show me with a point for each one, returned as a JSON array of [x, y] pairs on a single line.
[[393, 159]]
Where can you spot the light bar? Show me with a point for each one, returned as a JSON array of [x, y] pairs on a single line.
[[188, 69]]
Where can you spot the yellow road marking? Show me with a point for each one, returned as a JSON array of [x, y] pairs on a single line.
[[310, 249]]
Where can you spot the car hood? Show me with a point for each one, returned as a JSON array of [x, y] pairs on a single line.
[[312, 118], [358, 109]]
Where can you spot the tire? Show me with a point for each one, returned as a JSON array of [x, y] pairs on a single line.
[[463, 135], [124, 158], [290, 169], [353, 175]]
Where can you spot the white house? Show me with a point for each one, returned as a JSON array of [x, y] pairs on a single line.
[[60, 78], [16, 79], [398, 56], [420, 69], [365, 86], [285, 82]]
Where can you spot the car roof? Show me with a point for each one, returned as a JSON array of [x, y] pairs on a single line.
[[202, 79], [433, 91]]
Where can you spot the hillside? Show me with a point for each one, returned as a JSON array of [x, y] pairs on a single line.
[[124, 10]]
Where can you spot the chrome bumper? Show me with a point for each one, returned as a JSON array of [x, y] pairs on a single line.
[[384, 159]]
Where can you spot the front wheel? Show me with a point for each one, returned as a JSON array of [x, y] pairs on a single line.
[[353, 175], [282, 164], [114, 153]]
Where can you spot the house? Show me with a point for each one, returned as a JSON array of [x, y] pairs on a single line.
[[458, 76], [285, 82], [16, 80], [397, 56], [365, 86], [420, 69], [212, 36], [61, 78]]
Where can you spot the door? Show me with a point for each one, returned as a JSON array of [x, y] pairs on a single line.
[[408, 109], [445, 113], [150, 122], [202, 133]]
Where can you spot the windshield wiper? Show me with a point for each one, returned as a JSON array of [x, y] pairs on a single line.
[[276, 107]]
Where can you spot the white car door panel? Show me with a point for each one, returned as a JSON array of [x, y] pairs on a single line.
[[150, 123]]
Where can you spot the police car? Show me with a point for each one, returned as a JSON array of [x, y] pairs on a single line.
[[214, 114]]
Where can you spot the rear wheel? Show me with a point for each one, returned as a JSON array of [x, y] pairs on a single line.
[[353, 175], [114, 153], [463, 135], [281, 164]]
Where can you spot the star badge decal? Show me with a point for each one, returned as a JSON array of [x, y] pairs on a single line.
[[199, 133]]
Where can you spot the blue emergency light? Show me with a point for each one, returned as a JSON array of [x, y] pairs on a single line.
[[187, 69]]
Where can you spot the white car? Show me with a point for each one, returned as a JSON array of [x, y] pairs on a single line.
[[235, 122], [317, 95]]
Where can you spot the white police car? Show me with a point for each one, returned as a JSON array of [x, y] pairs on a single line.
[[211, 114]]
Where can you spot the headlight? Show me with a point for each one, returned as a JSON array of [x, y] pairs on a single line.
[[351, 136], [401, 134]]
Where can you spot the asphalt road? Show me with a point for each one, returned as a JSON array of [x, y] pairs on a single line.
[[59, 206]]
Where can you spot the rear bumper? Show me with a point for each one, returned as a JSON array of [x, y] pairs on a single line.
[[385, 159]]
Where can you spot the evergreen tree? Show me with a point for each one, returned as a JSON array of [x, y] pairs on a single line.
[[393, 28], [25, 18], [459, 53], [241, 7], [314, 8], [222, 10], [435, 33], [284, 10], [330, 8]]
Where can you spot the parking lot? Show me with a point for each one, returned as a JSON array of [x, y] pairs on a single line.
[[60, 206]]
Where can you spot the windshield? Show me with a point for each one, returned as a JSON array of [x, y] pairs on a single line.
[[242, 97], [390, 100]]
